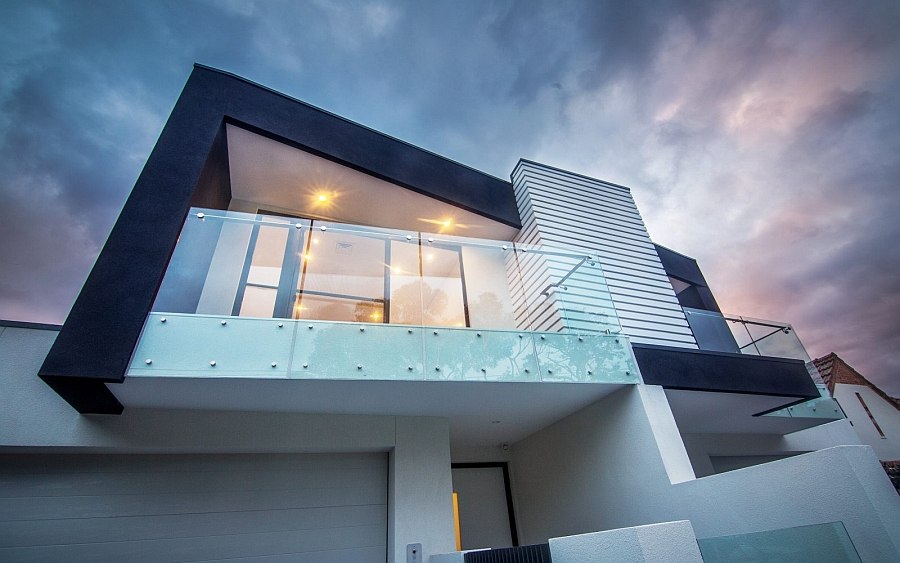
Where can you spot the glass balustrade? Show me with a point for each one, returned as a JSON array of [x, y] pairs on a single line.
[[733, 333], [818, 543], [266, 266]]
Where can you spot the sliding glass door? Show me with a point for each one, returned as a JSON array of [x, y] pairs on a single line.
[[305, 269]]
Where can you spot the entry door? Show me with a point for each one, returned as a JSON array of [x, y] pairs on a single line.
[[486, 518]]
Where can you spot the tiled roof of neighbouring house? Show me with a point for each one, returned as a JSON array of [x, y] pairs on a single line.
[[835, 370]]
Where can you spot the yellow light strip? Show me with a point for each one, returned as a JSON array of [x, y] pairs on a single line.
[[456, 521]]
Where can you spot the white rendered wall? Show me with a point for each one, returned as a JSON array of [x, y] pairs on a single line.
[[755, 447], [34, 419], [599, 469], [654, 543], [566, 210], [887, 448]]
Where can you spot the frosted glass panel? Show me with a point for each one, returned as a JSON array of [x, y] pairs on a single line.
[[343, 351]]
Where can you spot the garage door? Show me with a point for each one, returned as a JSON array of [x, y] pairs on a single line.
[[306, 508]]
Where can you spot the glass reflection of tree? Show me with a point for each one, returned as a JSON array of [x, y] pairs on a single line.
[[570, 356], [368, 312], [407, 304]]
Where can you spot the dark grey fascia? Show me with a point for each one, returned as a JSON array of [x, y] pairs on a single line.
[[701, 370], [189, 166]]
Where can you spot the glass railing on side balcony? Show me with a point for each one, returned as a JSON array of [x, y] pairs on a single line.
[[734, 333], [264, 266]]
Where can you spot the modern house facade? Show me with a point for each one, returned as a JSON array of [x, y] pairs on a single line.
[[305, 340]]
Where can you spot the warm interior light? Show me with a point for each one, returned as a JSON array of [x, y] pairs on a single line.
[[323, 197], [447, 223]]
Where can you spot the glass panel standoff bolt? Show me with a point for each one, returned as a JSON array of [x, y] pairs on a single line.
[[201, 215], [408, 237], [362, 329], [280, 325], [148, 361], [162, 320], [306, 365], [309, 327], [212, 363], [437, 368], [223, 323], [358, 366], [483, 369], [435, 333], [409, 368], [274, 364], [298, 226], [409, 331]]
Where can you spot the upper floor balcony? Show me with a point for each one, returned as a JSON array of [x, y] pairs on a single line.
[[268, 296]]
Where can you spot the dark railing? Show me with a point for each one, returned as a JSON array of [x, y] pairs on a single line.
[[539, 553]]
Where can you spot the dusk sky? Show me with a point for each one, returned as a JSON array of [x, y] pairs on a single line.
[[761, 138]]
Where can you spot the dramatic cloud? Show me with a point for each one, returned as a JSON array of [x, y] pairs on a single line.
[[759, 137]]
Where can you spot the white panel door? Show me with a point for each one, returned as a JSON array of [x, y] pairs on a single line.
[[280, 507]]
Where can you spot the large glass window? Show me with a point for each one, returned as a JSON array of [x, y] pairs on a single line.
[[337, 272]]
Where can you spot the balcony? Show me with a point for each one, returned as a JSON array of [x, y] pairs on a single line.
[[755, 374], [265, 297]]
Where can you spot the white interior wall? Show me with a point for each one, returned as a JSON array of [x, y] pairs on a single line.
[[33, 419], [600, 469]]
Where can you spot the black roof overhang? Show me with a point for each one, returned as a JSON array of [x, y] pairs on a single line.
[[699, 370], [188, 167]]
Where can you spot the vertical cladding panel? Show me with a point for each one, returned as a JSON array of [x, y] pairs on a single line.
[[567, 210]]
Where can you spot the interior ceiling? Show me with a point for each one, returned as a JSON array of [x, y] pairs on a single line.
[[480, 413], [276, 177], [699, 412]]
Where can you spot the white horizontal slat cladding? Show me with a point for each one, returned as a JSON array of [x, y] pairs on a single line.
[[565, 210], [290, 507]]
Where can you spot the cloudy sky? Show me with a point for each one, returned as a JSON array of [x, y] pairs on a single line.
[[760, 137]]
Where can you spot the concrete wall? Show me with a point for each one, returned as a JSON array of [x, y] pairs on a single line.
[[762, 448], [654, 543], [600, 469], [886, 447], [34, 419]]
